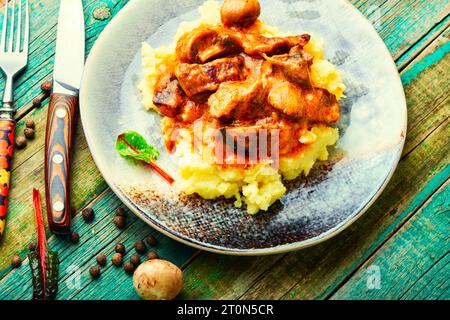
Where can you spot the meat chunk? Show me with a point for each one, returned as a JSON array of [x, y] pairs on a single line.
[[312, 104], [296, 67], [320, 105], [287, 132], [238, 100], [173, 103], [191, 112], [286, 98], [169, 98], [254, 44], [199, 78]]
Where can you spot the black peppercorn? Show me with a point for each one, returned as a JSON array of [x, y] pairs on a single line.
[[29, 133], [135, 259], [117, 259], [120, 248], [16, 262], [37, 102], [121, 212], [21, 142], [75, 237], [152, 255], [120, 222], [47, 87], [88, 214], [30, 124], [151, 240], [32, 246], [95, 272], [140, 247], [129, 268], [101, 260]]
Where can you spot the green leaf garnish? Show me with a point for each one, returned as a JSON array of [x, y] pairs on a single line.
[[132, 145]]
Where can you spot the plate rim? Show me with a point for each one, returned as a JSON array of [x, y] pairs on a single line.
[[285, 248]]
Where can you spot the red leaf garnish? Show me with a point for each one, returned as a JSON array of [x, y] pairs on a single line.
[[153, 165], [42, 241]]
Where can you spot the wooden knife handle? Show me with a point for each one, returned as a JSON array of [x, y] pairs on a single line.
[[7, 129], [61, 122]]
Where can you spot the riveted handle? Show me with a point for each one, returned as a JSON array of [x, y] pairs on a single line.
[[7, 129], [61, 122]]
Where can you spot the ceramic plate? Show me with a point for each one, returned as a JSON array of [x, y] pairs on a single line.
[[372, 129]]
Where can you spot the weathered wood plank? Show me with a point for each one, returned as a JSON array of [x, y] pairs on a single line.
[[427, 93], [415, 263], [396, 22], [406, 58], [97, 237], [43, 20], [313, 273], [87, 182]]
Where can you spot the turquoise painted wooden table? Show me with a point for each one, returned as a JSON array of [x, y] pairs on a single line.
[[398, 250]]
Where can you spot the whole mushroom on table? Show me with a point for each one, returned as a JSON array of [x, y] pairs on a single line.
[[158, 280]]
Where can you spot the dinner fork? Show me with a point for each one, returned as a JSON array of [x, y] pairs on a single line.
[[13, 59]]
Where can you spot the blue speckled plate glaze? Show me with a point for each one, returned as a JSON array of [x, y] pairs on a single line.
[[372, 127]]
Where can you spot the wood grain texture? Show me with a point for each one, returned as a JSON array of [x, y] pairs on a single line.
[[28, 172], [100, 236], [427, 81], [398, 24], [413, 264], [86, 185], [61, 120], [408, 28]]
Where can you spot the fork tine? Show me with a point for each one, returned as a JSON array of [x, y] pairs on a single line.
[[19, 27], [13, 18], [5, 24], [27, 27]]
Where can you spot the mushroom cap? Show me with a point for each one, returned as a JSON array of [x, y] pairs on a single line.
[[158, 280], [241, 13]]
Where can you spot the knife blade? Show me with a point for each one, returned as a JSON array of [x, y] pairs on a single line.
[[70, 47], [62, 113]]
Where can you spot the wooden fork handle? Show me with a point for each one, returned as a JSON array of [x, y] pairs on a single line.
[[7, 129], [61, 122]]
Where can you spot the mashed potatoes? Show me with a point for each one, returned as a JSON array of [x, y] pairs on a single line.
[[260, 186]]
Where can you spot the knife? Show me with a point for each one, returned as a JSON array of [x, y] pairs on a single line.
[[62, 113]]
